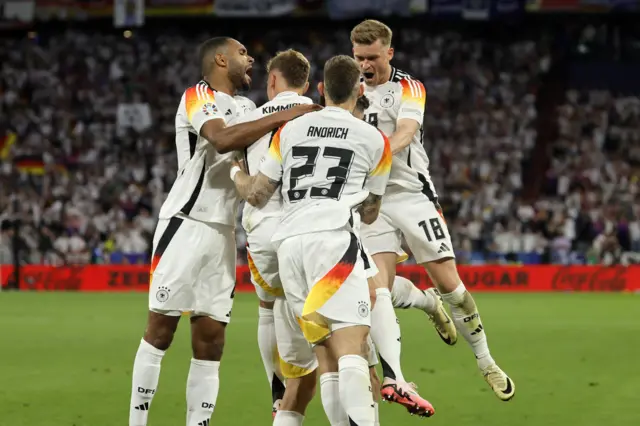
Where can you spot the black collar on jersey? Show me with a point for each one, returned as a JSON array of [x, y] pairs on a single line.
[[203, 81], [393, 73]]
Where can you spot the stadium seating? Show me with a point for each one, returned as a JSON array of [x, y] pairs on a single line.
[[87, 153]]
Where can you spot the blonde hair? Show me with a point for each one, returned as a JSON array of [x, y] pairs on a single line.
[[293, 65], [367, 32]]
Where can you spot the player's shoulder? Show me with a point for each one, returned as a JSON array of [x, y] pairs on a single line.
[[407, 83], [399, 76], [200, 91], [245, 103]]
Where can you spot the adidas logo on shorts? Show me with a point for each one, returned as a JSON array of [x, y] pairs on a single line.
[[443, 248]]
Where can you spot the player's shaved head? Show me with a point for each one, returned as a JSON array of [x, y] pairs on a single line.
[[369, 31], [341, 79], [208, 51]]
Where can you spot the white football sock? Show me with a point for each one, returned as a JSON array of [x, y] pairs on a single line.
[[385, 332], [288, 418], [146, 373], [330, 395], [376, 406], [355, 390], [268, 348], [468, 323], [406, 295], [203, 384]]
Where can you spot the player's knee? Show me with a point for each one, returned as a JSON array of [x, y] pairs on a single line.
[[209, 350], [207, 338], [375, 382], [372, 296], [444, 274], [160, 330], [299, 393]]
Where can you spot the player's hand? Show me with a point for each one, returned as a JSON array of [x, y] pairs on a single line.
[[302, 109], [238, 160]]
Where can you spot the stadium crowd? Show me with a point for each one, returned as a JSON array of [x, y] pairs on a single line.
[[91, 155]]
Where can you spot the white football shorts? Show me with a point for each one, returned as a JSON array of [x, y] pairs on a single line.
[[193, 269], [324, 280], [297, 358], [262, 259], [415, 216]]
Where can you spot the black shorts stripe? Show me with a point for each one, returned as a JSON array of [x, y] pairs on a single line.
[[426, 189], [365, 259], [351, 255], [167, 236], [196, 192], [193, 140]]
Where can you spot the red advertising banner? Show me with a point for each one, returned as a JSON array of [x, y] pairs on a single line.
[[491, 278]]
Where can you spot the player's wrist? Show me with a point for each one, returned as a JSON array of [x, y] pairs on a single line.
[[234, 171]]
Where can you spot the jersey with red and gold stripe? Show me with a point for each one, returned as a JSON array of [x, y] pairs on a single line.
[[202, 189], [328, 162], [402, 97]]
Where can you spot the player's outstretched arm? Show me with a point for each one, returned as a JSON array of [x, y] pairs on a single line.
[[226, 139], [256, 190], [370, 208], [402, 137]]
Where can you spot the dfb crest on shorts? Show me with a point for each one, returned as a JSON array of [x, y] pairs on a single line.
[[209, 108], [163, 294], [387, 101], [363, 309]]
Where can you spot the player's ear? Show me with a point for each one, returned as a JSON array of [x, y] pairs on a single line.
[[360, 89], [321, 88], [220, 60], [390, 53], [271, 81], [305, 88]]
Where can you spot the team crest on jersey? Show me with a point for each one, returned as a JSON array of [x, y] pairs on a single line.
[[162, 295], [209, 108], [363, 309], [387, 101]]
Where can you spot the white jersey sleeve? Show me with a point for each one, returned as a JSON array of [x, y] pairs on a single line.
[[271, 167], [378, 176], [413, 100], [200, 106]]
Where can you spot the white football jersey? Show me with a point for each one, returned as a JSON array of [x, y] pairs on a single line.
[[402, 97], [245, 106], [202, 189], [254, 155], [328, 162]]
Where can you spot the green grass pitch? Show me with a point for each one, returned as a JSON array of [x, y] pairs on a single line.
[[66, 359]]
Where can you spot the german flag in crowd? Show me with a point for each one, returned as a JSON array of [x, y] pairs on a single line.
[[6, 141], [32, 164]]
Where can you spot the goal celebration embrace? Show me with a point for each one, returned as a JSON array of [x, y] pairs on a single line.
[[329, 192]]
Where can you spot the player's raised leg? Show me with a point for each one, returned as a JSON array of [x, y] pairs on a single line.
[[425, 230], [467, 320], [383, 242], [406, 295]]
